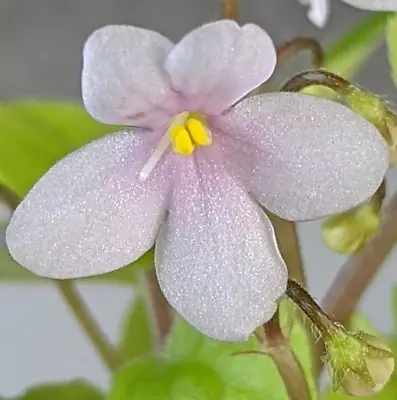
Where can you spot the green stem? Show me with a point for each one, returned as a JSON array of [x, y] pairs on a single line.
[[73, 299], [288, 244], [287, 363]]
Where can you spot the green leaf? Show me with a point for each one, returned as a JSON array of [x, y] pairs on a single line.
[[76, 390], [137, 337], [349, 53], [161, 379], [246, 372], [391, 38], [34, 135]]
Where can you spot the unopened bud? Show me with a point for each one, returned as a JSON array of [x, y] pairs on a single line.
[[376, 111], [346, 233], [361, 363]]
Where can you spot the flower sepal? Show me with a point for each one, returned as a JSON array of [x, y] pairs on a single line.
[[361, 363]]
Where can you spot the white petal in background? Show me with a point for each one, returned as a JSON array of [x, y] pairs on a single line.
[[374, 5]]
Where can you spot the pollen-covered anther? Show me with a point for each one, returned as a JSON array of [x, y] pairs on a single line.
[[186, 137]]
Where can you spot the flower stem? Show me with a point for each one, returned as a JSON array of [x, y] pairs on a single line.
[[288, 244], [230, 9], [288, 49], [73, 299], [285, 360], [317, 78], [160, 310]]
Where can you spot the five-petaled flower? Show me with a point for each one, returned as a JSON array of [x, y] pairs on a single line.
[[192, 182], [319, 10]]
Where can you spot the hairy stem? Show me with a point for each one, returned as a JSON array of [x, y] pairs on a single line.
[[230, 9], [360, 269], [288, 244], [285, 360], [291, 48], [73, 299], [160, 310]]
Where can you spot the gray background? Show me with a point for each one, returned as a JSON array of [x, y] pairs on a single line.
[[40, 56]]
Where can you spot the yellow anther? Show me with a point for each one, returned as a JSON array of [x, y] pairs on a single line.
[[198, 132], [181, 141]]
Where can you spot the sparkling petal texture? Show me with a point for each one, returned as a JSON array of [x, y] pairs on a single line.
[[216, 257], [219, 63], [123, 81], [374, 5], [89, 214], [305, 157]]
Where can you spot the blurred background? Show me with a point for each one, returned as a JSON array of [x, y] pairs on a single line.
[[40, 48]]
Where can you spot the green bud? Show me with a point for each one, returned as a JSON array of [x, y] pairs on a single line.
[[361, 363], [346, 233], [376, 111]]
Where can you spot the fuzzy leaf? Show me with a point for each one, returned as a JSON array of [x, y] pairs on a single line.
[[34, 135], [76, 390], [137, 337], [161, 379], [252, 373]]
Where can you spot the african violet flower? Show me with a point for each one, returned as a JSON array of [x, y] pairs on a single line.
[[319, 9], [193, 179]]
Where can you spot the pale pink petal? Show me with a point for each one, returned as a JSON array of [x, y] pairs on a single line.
[[216, 256], [304, 157], [374, 5], [90, 214], [220, 62], [123, 81]]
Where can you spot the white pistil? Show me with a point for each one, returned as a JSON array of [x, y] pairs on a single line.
[[161, 148]]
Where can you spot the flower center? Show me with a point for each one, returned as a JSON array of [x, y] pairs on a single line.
[[186, 131]]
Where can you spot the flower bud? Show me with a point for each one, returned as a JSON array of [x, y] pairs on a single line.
[[376, 111], [361, 363], [346, 233]]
